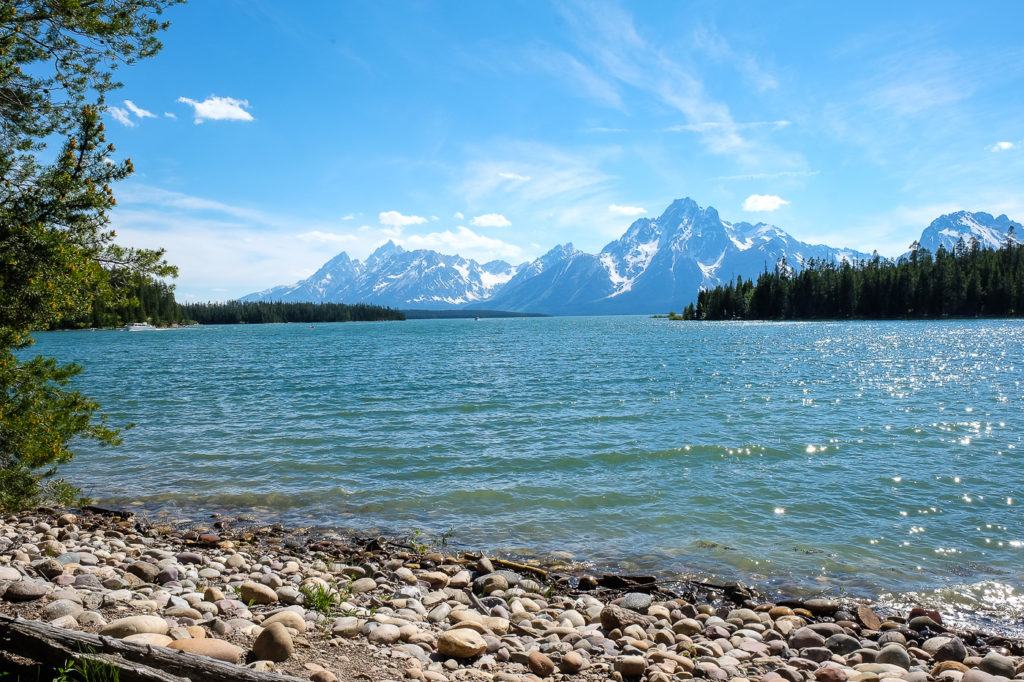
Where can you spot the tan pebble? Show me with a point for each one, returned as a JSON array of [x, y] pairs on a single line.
[[274, 644], [131, 625], [323, 676], [214, 648], [289, 619], [461, 643], [149, 638], [572, 662], [539, 663], [212, 594], [196, 631], [257, 593]]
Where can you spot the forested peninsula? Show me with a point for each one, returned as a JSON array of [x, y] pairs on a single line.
[[145, 299], [964, 282]]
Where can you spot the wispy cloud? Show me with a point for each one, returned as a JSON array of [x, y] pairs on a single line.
[[763, 202], [490, 220], [215, 108], [626, 210], [708, 126], [396, 219], [768, 176], [327, 237], [170, 115], [122, 116], [607, 38], [1002, 146], [514, 176], [138, 111]]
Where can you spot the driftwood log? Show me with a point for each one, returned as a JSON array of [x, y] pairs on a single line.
[[53, 646]]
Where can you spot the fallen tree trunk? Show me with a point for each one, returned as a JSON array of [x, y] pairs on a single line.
[[136, 662]]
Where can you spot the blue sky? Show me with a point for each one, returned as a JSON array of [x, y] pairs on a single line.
[[269, 136]]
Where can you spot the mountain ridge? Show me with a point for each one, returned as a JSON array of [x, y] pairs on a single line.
[[657, 264]]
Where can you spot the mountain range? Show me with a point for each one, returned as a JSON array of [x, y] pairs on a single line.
[[658, 264]]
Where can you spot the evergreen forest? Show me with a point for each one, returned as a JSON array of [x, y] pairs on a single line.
[[145, 299], [964, 282]]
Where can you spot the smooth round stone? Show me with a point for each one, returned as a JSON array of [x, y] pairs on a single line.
[[540, 664], [61, 607], [289, 595], [151, 638], [630, 666], [257, 593], [894, 654], [64, 622], [572, 662], [235, 561], [842, 644], [69, 558], [273, 644], [461, 643], [288, 618], [9, 573], [384, 634], [492, 583], [978, 675], [345, 627], [363, 585], [208, 573], [214, 648], [64, 580], [167, 574], [26, 590], [636, 601], [952, 649], [145, 571], [821, 607], [122, 627], [805, 637], [997, 664]]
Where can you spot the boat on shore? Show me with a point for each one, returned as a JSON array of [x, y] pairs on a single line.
[[139, 327]]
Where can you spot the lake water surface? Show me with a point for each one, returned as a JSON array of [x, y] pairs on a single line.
[[870, 458]]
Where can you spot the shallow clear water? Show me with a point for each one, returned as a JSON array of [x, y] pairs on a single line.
[[864, 458]]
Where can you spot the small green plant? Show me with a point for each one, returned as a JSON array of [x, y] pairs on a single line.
[[445, 537], [88, 670], [417, 541], [320, 598]]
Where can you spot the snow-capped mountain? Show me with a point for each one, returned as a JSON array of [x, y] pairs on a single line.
[[989, 232], [398, 278], [657, 265]]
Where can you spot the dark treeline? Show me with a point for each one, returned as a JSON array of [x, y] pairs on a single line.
[[965, 282], [144, 299], [140, 299], [261, 312]]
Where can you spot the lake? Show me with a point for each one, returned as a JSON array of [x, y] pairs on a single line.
[[862, 458]]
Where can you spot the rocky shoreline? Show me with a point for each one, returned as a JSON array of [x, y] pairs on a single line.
[[325, 607]]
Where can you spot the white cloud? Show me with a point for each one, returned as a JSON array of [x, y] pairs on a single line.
[[1001, 146], [464, 242], [514, 176], [490, 220], [121, 116], [458, 215], [215, 108], [350, 216], [138, 111], [396, 219], [626, 210], [170, 115], [763, 202]]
